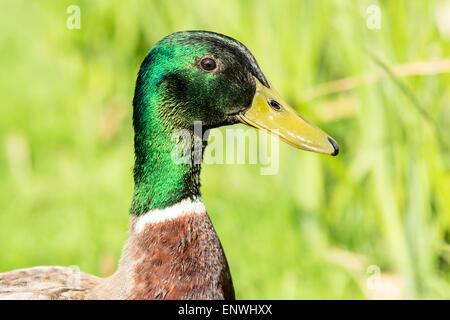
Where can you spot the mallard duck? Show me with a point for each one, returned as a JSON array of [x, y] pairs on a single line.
[[173, 251]]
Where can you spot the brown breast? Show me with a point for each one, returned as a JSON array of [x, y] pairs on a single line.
[[180, 258]]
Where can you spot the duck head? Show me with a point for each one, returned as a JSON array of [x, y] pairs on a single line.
[[202, 76], [208, 77]]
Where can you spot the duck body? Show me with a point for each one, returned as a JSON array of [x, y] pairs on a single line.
[[180, 257], [173, 251], [177, 258], [46, 283]]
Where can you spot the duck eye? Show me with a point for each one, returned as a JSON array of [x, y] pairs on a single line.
[[208, 64]]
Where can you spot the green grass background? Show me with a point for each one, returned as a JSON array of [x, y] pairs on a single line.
[[311, 231]]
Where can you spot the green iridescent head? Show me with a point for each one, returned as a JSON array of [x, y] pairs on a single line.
[[196, 75], [202, 76]]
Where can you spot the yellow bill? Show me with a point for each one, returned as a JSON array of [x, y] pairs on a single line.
[[270, 112]]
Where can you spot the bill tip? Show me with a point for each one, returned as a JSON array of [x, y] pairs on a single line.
[[335, 146]]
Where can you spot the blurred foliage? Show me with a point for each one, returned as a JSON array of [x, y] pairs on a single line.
[[321, 228]]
